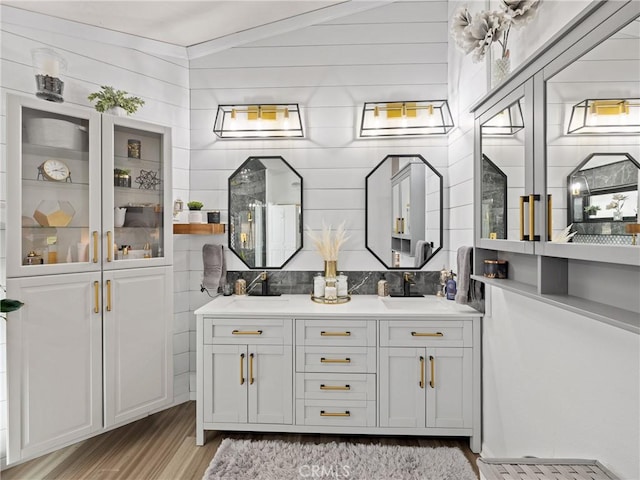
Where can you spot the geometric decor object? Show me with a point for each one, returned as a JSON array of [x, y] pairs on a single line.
[[258, 121], [148, 180], [406, 118], [605, 116], [52, 213], [507, 122]]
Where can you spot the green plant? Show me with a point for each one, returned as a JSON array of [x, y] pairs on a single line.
[[7, 305], [121, 171], [591, 209], [195, 205], [108, 98]]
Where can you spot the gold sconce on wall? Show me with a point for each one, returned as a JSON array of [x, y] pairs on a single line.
[[420, 117], [258, 121], [605, 116]]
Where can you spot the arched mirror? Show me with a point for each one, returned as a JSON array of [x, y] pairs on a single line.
[[404, 211], [265, 212]]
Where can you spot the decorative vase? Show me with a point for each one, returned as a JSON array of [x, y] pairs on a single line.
[[119, 215], [116, 111], [500, 70], [330, 269], [195, 216], [617, 216]]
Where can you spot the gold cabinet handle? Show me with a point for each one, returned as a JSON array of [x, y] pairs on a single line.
[[109, 246], [427, 334], [246, 332], [530, 199], [335, 334], [532, 218], [95, 246], [421, 382], [432, 363], [251, 369], [335, 360], [108, 295], [96, 293], [242, 369], [549, 217], [346, 413], [335, 387]]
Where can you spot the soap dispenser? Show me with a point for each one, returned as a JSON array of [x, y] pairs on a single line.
[[451, 286]]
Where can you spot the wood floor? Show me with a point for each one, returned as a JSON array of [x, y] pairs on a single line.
[[163, 446]]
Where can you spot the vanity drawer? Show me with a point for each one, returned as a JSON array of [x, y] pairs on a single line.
[[277, 331], [336, 332], [336, 386], [338, 413], [336, 359], [428, 333]]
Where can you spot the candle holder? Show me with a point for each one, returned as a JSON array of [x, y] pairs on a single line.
[[48, 65]]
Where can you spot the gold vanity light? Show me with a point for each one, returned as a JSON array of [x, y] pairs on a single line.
[[507, 122], [258, 121], [605, 116], [419, 117]]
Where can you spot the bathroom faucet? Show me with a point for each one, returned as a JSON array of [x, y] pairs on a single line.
[[407, 281], [265, 283], [263, 278]]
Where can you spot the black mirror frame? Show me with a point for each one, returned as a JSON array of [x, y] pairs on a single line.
[[229, 233], [570, 215], [366, 217]]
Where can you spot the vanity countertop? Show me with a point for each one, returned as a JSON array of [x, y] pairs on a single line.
[[366, 306]]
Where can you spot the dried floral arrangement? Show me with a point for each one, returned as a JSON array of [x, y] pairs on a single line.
[[475, 34], [565, 235], [329, 242], [617, 202]]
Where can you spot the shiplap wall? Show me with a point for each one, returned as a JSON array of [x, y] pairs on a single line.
[[394, 52], [540, 361], [99, 57]]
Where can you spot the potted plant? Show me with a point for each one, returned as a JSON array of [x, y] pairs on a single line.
[[110, 99], [7, 305], [591, 209], [195, 215]]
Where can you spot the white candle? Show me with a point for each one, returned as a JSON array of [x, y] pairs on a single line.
[[51, 67]]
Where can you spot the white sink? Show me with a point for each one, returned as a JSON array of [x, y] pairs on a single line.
[[421, 304]]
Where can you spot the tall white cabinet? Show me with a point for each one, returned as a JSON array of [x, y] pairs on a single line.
[[92, 347]]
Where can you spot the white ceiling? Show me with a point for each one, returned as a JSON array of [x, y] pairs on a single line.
[[182, 23]]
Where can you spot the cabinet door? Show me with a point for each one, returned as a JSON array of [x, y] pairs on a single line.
[[449, 387], [270, 379], [402, 387], [225, 383], [53, 188], [136, 192], [138, 339], [54, 350]]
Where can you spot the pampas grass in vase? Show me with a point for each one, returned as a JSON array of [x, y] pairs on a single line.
[[328, 244]]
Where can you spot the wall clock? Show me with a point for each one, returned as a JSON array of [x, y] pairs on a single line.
[[54, 170]]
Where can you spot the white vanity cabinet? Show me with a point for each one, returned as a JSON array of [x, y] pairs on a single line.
[[246, 375], [364, 367], [426, 381]]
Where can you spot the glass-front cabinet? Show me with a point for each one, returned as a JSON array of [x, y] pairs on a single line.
[[85, 191]]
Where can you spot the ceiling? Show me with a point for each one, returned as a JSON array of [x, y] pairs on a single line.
[[182, 23]]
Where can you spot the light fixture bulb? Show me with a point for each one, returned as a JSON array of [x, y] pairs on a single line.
[[575, 188]]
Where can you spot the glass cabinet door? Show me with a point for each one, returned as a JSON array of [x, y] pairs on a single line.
[[53, 169], [506, 211], [136, 185], [593, 150]]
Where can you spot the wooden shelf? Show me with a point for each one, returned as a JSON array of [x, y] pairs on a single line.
[[199, 228]]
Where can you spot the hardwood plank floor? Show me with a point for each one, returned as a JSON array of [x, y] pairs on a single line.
[[163, 447]]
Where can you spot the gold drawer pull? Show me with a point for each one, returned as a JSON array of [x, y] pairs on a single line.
[[242, 332], [335, 334], [335, 387], [432, 382], [346, 413], [108, 295], [335, 360], [95, 246], [427, 334], [242, 369], [421, 382], [109, 246]]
